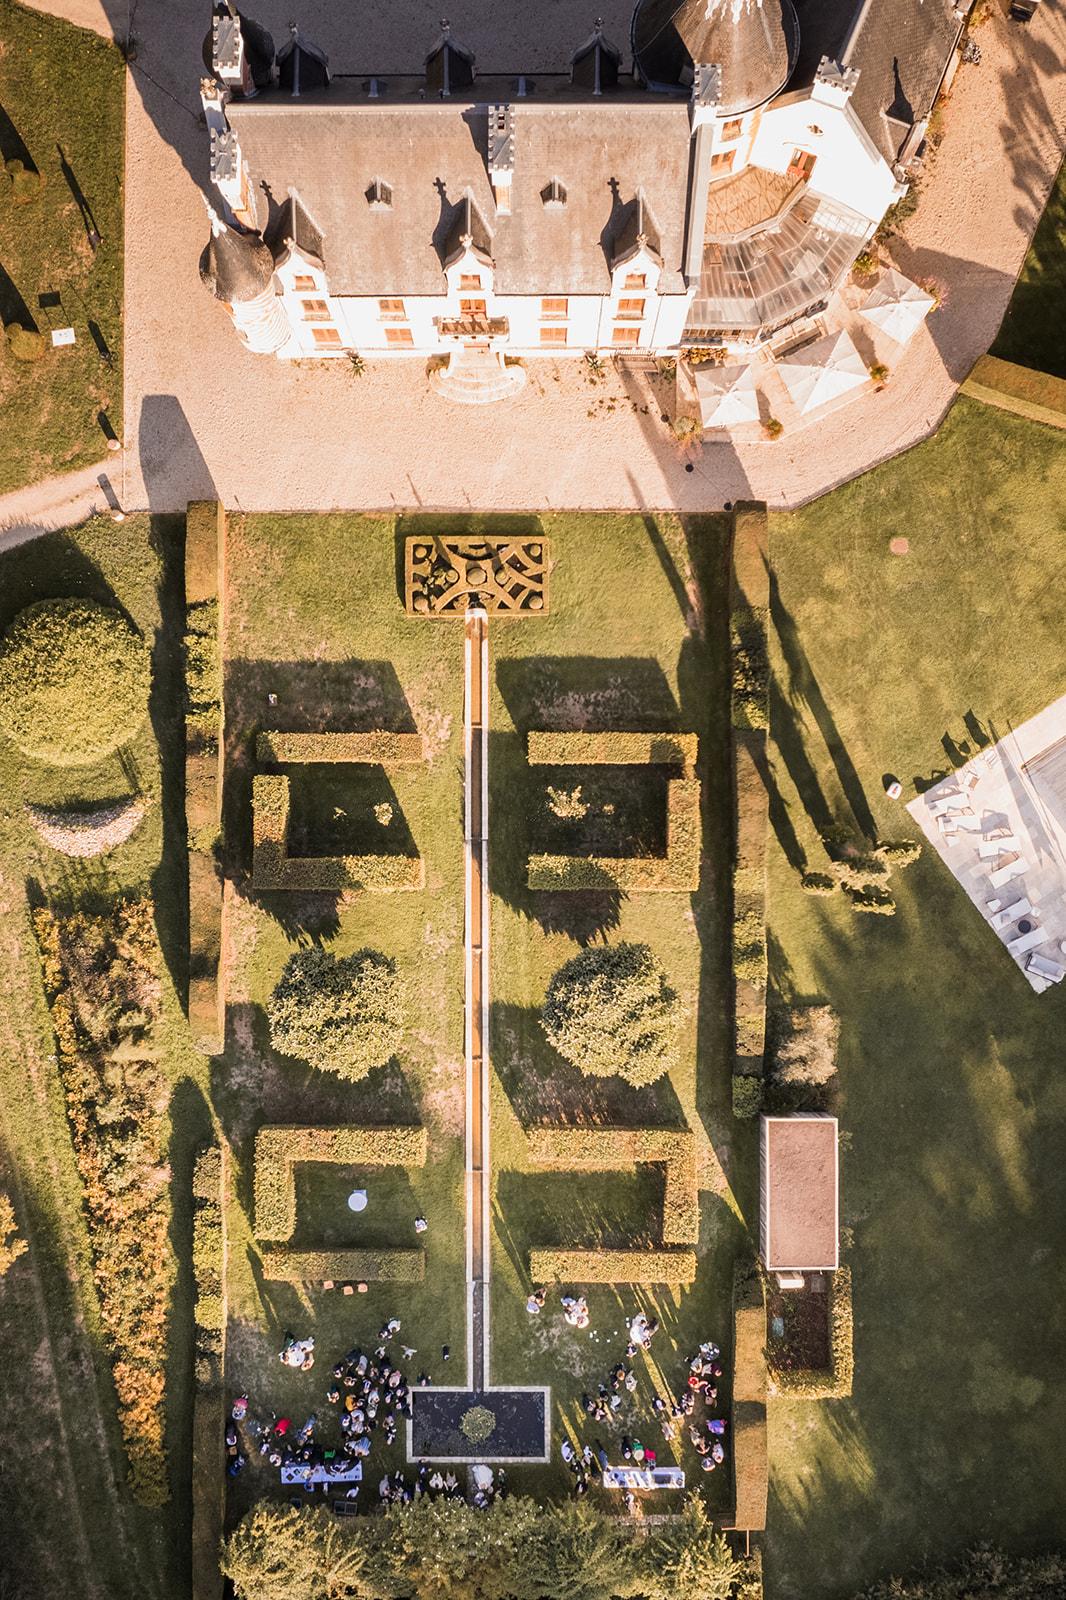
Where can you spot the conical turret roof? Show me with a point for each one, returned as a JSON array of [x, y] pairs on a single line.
[[236, 267], [754, 42]]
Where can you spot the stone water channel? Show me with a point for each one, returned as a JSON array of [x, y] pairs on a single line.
[[522, 1430]]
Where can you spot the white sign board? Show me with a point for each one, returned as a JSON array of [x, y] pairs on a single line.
[[62, 336]]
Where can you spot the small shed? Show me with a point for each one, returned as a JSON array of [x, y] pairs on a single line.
[[799, 1194]]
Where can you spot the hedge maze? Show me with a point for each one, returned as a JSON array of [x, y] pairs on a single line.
[[505, 577], [610, 1150], [278, 1149], [678, 871], [273, 867]]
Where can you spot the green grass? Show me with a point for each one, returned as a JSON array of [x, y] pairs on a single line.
[[1033, 332], [314, 618], [636, 639], [951, 1091], [49, 1318], [62, 89]]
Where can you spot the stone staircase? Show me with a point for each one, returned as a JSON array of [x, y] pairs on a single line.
[[477, 377]]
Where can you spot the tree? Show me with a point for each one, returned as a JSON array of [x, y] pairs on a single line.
[[278, 1553], [11, 1245], [689, 1559], [74, 681], [343, 1014], [611, 1010]]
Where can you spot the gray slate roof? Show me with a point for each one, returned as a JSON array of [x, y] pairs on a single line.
[[329, 147], [755, 42], [901, 50]]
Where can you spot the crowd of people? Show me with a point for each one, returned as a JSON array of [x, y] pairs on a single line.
[[690, 1410]]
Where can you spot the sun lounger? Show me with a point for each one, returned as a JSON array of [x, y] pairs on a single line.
[[1027, 941], [1045, 968], [988, 849], [1003, 919], [1004, 874], [968, 820]]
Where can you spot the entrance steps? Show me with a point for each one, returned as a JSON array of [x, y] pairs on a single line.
[[477, 378]]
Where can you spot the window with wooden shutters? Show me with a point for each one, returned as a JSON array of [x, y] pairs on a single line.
[[314, 310], [391, 309], [626, 336], [399, 336], [303, 283], [552, 335], [631, 310], [554, 305], [722, 161], [733, 129], [636, 280], [470, 280], [326, 337], [472, 308]]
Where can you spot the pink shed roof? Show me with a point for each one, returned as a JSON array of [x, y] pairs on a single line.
[[800, 1179]]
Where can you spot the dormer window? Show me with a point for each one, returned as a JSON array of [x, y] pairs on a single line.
[[553, 195], [379, 195]]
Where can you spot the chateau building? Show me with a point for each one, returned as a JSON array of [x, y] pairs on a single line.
[[713, 186]]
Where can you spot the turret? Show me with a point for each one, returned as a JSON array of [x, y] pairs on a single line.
[[238, 269]]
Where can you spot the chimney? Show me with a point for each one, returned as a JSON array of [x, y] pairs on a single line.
[[229, 174], [228, 54], [834, 84], [501, 156]]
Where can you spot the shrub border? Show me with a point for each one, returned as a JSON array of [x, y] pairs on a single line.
[[835, 1382], [751, 1465], [677, 872], [205, 545], [282, 1265], [209, 1187], [551, 1265], [611, 1149], [274, 868], [749, 603], [608, 748], [377, 749], [279, 1147]]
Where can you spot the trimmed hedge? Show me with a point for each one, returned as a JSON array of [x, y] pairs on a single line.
[[612, 1266], [278, 1148], [74, 681], [208, 1480], [344, 1266], [273, 868], [367, 749], [751, 1466], [205, 534], [1036, 395], [580, 749], [677, 872], [611, 1149], [836, 1381], [749, 1333], [750, 693]]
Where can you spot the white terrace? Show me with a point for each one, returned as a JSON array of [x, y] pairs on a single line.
[[1000, 825]]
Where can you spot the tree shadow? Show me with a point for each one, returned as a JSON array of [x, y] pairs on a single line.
[[13, 308], [804, 693], [170, 889], [12, 145], [88, 219], [546, 1091]]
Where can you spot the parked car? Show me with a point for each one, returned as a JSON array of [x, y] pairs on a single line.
[[1022, 10]]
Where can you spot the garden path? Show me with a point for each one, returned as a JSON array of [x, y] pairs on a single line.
[[478, 1176]]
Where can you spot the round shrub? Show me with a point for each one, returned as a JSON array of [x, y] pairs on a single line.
[[25, 344], [26, 182], [343, 1014], [610, 1010], [477, 1424], [74, 681]]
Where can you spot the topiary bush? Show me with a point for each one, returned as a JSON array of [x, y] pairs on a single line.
[[611, 1011], [26, 182], [747, 1095], [74, 681], [343, 1014], [25, 344], [805, 1050]]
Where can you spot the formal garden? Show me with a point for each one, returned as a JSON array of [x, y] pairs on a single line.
[[62, 137], [177, 1200]]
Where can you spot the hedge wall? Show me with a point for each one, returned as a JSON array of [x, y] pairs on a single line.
[[209, 1410], [749, 614], [834, 1383], [581, 749], [751, 1466], [372, 749], [273, 868], [344, 1266], [1036, 395], [612, 1266], [205, 535], [678, 871], [750, 1459], [278, 1148], [609, 1149]]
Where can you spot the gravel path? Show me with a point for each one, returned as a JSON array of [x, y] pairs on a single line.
[[203, 417]]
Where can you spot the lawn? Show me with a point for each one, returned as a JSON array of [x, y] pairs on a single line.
[[314, 619], [1033, 332], [57, 1400], [951, 1093], [635, 641], [62, 100]]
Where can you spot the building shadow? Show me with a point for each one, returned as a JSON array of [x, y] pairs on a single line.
[[166, 710], [172, 465]]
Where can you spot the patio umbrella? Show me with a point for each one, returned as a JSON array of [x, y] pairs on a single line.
[[726, 395], [897, 306], [822, 372]]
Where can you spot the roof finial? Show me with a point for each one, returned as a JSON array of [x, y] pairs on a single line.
[[218, 227]]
